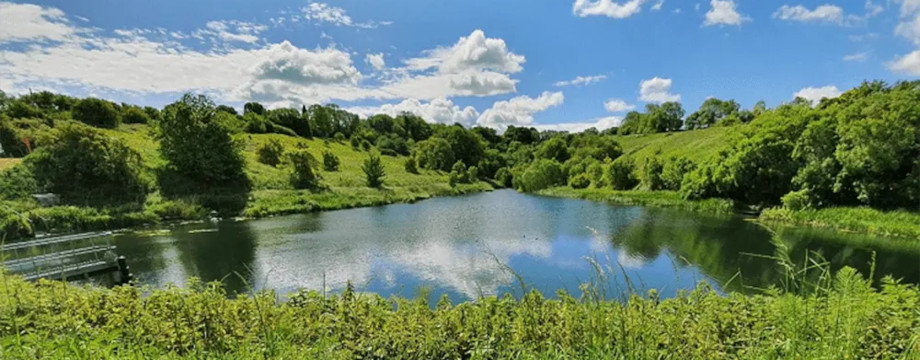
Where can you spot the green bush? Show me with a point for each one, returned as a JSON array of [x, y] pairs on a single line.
[[541, 174], [373, 171], [580, 181], [330, 161], [410, 165], [653, 179], [303, 175], [504, 177], [458, 174], [86, 167], [672, 175], [134, 115], [96, 112], [271, 153], [621, 174]]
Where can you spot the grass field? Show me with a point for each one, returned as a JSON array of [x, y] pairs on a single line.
[[696, 145], [901, 224], [665, 199]]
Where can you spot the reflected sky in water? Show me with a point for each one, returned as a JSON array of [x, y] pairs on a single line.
[[474, 245]]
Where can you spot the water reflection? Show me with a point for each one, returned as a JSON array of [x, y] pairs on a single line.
[[474, 245]]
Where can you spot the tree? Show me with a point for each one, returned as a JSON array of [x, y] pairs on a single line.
[[321, 121], [653, 179], [555, 149], [711, 112], [465, 145], [253, 108], [271, 152], [373, 171], [96, 112], [134, 115], [458, 173], [330, 161], [542, 174], [504, 177], [291, 119], [411, 166], [303, 175], [435, 153], [621, 174], [88, 168], [197, 146], [674, 170]]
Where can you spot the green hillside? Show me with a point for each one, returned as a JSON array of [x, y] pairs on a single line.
[[695, 145]]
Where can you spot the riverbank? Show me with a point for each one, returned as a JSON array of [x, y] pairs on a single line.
[[894, 224], [848, 319]]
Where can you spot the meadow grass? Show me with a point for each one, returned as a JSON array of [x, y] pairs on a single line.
[[665, 199], [845, 317], [901, 224], [695, 145]]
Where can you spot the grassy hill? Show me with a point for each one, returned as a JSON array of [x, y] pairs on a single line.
[[696, 145]]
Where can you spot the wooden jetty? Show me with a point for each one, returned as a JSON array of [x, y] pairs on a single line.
[[65, 257]]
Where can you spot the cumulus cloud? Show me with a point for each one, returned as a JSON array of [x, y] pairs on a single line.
[[286, 62], [609, 8], [518, 111], [229, 31], [908, 64], [657, 90], [617, 105], [815, 94], [321, 13], [724, 12], [857, 57], [909, 28], [473, 52], [600, 124], [439, 110], [376, 61], [580, 81]]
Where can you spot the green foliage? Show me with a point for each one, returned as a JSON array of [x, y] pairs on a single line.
[[657, 118], [580, 181], [134, 115], [373, 171], [674, 170], [713, 111], [504, 177], [96, 112], [654, 175], [198, 147], [410, 165], [465, 145], [541, 174], [621, 174], [271, 153], [303, 175], [290, 119], [17, 182], [330, 161], [554, 149], [458, 174], [848, 318], [86, 167], [435, 154]]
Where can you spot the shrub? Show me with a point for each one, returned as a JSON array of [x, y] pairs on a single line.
[[339, 137], [653, 179], [472, 174], [271, 152], [330, 161], [580, 181], [96, 112], [504, 177], [17, 182], [410, 165], [672, 175], [86, 167], [435, 154], [621, 174], [373, 171], [542, 174], [458, 173], [134, 115], [303, 176], [797, 200]]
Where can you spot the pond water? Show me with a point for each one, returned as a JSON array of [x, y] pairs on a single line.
[[487, 243]]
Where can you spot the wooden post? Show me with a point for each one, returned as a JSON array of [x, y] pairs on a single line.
[[124, 273]]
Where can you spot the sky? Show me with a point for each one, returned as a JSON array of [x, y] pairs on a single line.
[[552, 64]]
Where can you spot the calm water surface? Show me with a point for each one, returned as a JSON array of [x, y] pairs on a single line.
[[474, 245]]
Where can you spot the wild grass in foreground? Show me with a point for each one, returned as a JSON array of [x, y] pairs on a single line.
[[845, 318], [863, 220], [666, 199]]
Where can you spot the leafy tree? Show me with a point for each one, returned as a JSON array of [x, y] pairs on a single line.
[[653, 179], [253, 108], [555, 149], [197, 146], [321, 120], [436, 154], [330, 161], [504, 177], [86, 167], [271, 152], [227, 109], [631, 123], [373, 171], [134, 115], [621, 174], [522, 135], [465, 145], [711, 112], [291, 119], [541, 174], [415, 127], [580, 181], [303, 175], [96, 112], [458, 173], [673, 172]]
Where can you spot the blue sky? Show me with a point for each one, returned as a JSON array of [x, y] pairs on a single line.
[[492, 63]]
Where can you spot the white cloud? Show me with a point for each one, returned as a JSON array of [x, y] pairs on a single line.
[[908, 64], [657, 90], [826, 13], [518, 111], [376, 61], [580, 80], [815, 94], [617, 105], [823, 13], [229, 31], [600, 124], [609, 8], [658, 5], [909, 28], [724, 12], [320, 13], [286, 62], [24, 22], [439, 110], [473, 52], [858, 57]]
